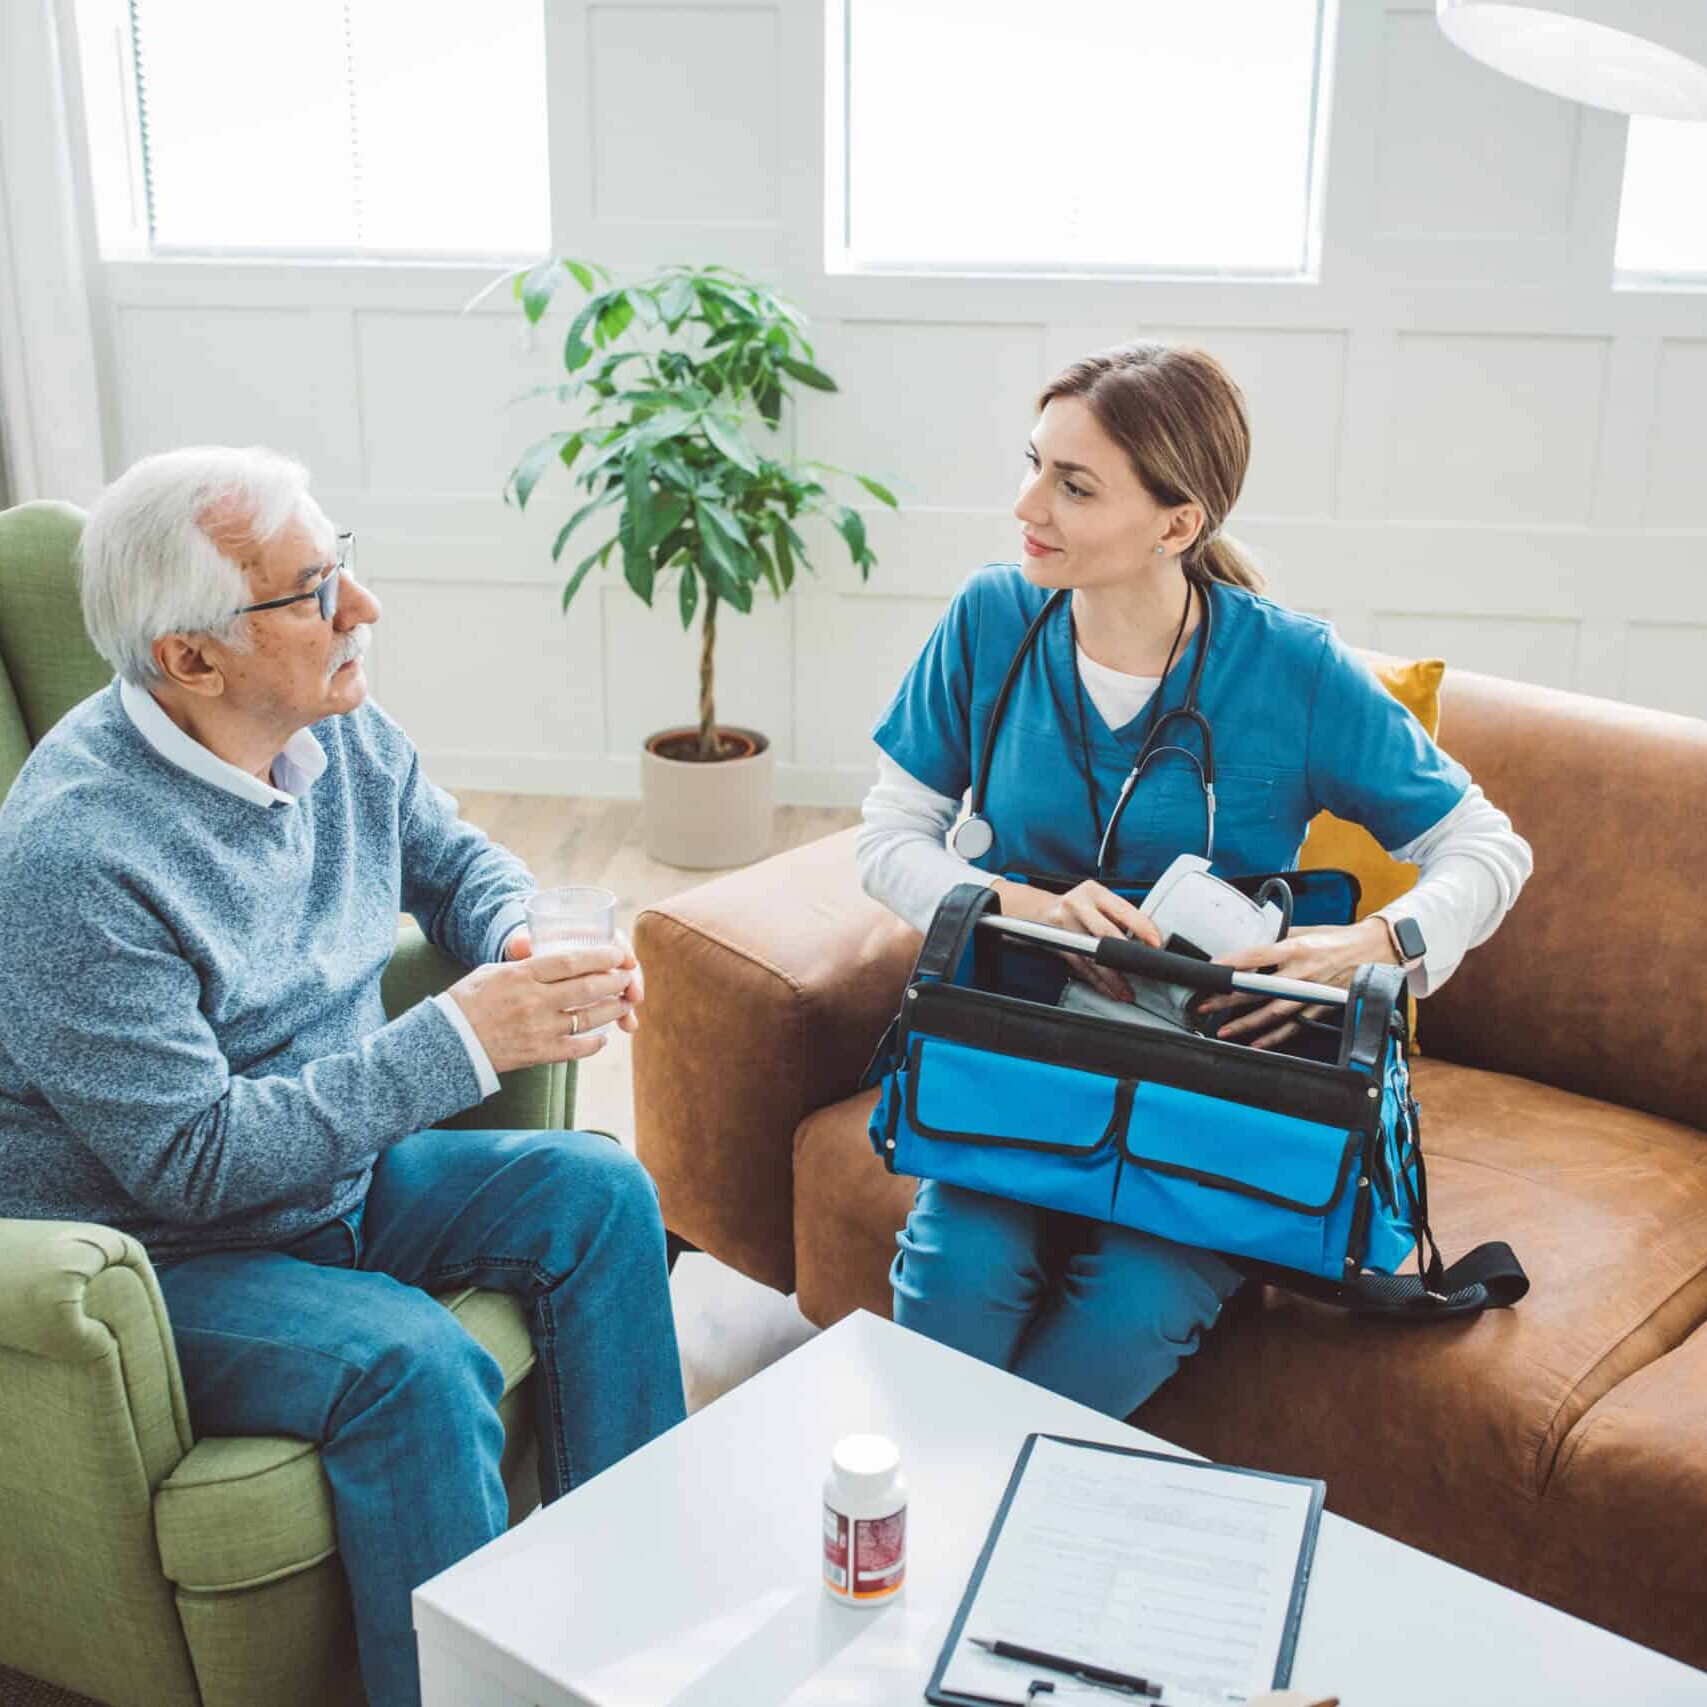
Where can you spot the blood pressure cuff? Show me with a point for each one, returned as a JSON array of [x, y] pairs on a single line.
[[1302, 1168]]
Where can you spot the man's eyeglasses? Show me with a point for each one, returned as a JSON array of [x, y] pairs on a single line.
[[327, 589]]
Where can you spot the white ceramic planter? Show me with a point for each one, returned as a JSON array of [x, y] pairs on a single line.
[[706, 816]]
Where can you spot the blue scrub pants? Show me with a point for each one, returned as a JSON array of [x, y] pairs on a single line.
[[1099, 1313], [334, 1339]]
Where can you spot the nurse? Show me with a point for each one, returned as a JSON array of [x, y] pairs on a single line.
[[1136, 459]]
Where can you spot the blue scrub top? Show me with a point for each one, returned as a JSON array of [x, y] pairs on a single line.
[[1300, 724]]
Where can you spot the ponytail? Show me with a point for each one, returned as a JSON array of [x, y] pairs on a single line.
[[1222, 558]]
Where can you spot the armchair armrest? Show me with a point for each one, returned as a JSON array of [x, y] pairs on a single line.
[[74, 1292], [92, 1421], [530, 1098], [766, 992]]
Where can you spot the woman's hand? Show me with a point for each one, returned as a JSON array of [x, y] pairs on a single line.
[[1320, 954], [1090, 910]]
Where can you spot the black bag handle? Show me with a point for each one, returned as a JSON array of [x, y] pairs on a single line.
[[951, 929], [1375, 997]]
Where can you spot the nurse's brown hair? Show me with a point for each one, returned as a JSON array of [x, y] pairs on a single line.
[[1181, 421]]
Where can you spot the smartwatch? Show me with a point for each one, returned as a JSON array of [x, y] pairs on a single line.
[[1407, 939]]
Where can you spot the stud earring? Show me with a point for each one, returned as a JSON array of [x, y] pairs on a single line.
[[1160, 552]]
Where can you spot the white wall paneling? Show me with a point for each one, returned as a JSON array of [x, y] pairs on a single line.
[[211, 375], [1665, 664], [1676, 488], [1493, 427], [1466, 441]]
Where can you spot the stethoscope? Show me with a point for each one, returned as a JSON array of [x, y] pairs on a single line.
[[974, 836]]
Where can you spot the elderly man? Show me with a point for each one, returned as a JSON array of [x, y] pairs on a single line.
[[201, 869]]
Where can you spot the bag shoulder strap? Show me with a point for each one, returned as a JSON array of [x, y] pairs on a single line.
[[1488, 1278]]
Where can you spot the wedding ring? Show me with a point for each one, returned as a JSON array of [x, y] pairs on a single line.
[[574, 1025]]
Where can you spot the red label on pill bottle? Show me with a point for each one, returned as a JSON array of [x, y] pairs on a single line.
[[880, 1555]]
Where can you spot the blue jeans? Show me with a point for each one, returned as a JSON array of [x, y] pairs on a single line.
[[1102, 1314], [335, 1339]]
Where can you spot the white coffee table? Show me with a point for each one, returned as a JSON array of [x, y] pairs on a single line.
[[688, 1574]]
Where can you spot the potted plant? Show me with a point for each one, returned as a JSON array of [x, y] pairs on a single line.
[[682, 380]]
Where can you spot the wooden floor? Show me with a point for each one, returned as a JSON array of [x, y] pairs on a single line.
[[572, 840]]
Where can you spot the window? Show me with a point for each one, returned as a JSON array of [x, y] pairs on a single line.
[[342, 126], [1177, 136], [1662, 218]]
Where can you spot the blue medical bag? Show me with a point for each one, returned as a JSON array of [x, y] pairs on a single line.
[[1301, 1165]]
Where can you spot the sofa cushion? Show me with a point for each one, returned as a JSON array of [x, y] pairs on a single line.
[[1445, 1436], [240, 1512]]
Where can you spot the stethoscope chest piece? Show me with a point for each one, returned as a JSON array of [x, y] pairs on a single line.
[[973, 837]]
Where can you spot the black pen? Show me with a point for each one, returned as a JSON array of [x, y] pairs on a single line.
[[1082, 1669]]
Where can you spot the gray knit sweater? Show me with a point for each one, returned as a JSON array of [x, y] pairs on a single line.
[[192, 1046]]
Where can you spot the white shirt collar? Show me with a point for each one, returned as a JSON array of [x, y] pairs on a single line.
[[294, 771]]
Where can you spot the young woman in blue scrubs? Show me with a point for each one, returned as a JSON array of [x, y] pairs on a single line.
[[1136, 459]]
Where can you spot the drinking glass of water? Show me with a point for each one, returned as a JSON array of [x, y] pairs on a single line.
[[577, 915]]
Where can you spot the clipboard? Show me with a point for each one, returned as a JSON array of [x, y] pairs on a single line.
[[936, 1691]]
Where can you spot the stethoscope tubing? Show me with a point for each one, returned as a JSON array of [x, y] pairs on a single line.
[[1124, 955], [974, 836]]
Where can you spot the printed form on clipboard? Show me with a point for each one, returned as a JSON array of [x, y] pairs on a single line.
[[1187, 1575]]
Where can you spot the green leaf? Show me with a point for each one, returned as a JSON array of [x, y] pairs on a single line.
[[536, 459], [537, 288], [687, 595], [663, 519], [807, 374], [577, 352], [785, 554], [768, 570], [769, 399], [676, 302], [717, 521], [675, 540], [562, 393], [614, 318], [575, 521], [727, 438], [726, 555], [636, 485], [880, 492], [636, 565], [574, 583], [851, 525], [583, 275]]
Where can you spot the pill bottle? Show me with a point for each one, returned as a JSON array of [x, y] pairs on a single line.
[[865, 1522]]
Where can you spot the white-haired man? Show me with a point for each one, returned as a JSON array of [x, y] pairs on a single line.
[[201, 868]]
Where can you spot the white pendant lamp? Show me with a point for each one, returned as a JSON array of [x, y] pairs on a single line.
[[1634, 56]]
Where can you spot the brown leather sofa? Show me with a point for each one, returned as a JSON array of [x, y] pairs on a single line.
[[1559, 1447]]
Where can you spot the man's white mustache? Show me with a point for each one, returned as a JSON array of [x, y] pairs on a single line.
[[353, 645]]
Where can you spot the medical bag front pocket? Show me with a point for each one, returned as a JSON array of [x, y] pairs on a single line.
[[1008, 1125], [1234, 1177]]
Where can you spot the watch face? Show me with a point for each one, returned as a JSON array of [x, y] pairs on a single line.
[[1408, 934]]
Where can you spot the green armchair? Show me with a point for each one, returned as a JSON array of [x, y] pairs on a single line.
[[142, 1566]]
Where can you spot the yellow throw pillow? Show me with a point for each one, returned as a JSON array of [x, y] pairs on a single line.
[[1332, 842]]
